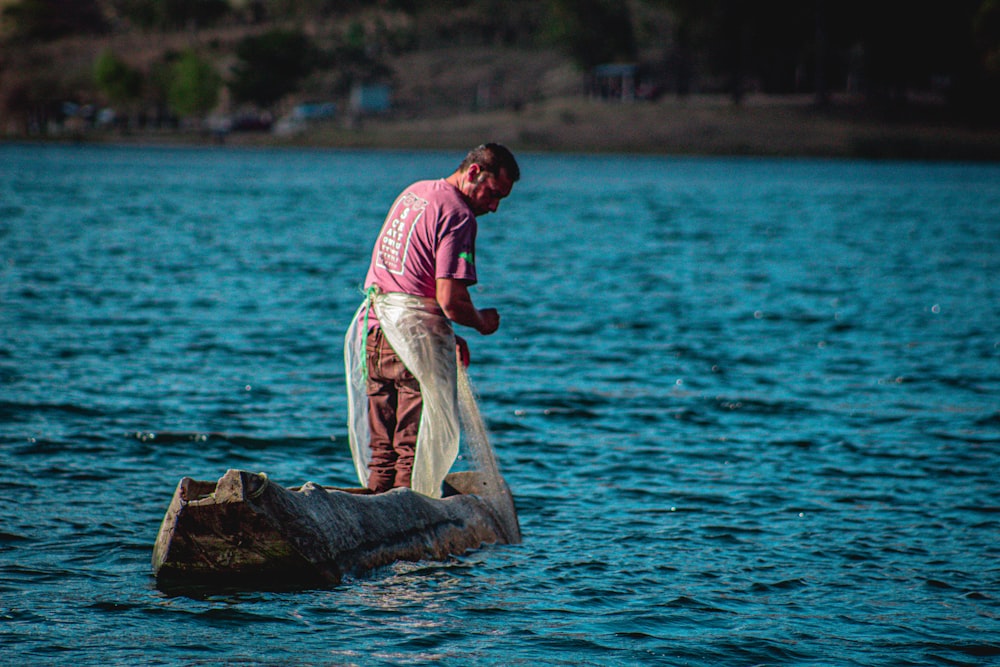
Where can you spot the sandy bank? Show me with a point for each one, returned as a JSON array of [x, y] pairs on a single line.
[[701, 125], [697, 125]]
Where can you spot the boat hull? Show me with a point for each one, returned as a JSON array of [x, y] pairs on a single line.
[[245, 530]]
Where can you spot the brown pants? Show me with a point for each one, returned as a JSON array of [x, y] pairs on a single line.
[[394, 407]]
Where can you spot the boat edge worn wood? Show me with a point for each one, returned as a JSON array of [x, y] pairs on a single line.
[[246, 530]]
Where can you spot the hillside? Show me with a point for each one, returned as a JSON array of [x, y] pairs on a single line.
[[452, 96]]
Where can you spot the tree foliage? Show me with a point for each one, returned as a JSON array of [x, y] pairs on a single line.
[[272, 65], [986, 30], [194, 86], [883, 49], [172, 14], [119, 82], [47, 20], [592, 31]]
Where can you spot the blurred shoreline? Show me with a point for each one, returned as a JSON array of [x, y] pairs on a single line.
[[785, 126]]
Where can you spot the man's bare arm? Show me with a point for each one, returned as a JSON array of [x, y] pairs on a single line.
[[456, 302]]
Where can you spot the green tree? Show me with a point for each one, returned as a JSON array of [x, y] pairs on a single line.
[[51, 19], [171, 14], [194, 86], [592, 32], [986, 29], [119, 82], [272, 65], [890, 47], [769, 40]]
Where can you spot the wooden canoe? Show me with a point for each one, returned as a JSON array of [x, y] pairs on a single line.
[[247, 531]]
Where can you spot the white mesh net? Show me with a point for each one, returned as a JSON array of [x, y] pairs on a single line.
[[425, 342]]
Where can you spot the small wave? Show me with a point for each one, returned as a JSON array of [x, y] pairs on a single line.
[[78, 474], [498, 426], [238, 618], [758, 406], [244, 441], [36, 576], [757, 651], [970, 437], [19, 615], [989, 420], [977, 650], [685, 602], [20, 411], [115, 607], [79, 445], [983, 509], [976, 595], [785, 585]]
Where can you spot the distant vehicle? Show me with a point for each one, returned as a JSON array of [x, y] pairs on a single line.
[[252, 122], [314, 111]]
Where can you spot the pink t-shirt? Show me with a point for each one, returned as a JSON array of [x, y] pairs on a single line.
[[429, 233]]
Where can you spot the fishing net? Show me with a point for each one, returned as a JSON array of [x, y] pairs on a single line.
[[492, 485], [475, 436], [425, 342]]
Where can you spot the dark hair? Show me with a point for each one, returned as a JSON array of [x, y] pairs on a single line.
[[493, 158]]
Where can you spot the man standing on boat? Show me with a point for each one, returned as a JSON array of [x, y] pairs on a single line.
[[400, 350]]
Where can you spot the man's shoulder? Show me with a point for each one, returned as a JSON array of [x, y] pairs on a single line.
[[439, 194]]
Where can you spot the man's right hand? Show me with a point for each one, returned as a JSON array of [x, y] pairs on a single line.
[[456, 303], [490, 321]]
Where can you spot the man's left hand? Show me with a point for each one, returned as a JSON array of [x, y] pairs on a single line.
[[462, 351]]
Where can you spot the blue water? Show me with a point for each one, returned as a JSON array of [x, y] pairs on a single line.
[[749, 409]]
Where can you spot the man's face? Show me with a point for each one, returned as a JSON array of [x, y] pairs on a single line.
[[485, 190]]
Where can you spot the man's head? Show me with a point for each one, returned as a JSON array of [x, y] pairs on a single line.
[[486, 176]]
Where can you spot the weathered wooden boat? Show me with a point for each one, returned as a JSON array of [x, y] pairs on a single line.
[[245, 530]]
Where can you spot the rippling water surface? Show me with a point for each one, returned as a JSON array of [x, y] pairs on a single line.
[[749, 409]]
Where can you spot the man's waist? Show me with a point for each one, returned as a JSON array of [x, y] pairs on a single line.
[[418, 302]]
